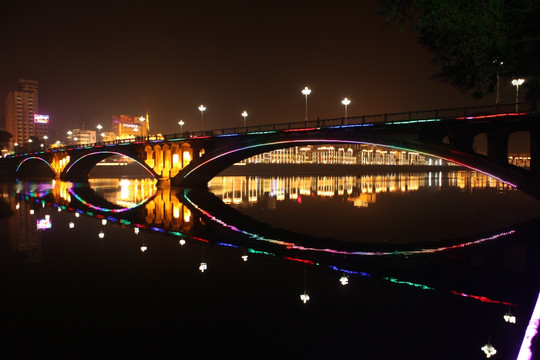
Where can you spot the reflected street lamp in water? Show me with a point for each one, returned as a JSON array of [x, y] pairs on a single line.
[[244, 115], [489, 350], [202, 108], [306, 92], [517, 83]]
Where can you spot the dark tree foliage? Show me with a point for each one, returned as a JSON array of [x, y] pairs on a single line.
[[475, 41], [4, 139]]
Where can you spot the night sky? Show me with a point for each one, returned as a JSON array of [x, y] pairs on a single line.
[[96, 59]]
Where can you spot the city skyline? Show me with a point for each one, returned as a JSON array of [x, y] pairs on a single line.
[[167, 60]]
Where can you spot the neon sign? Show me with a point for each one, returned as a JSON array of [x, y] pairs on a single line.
[[41, 119]]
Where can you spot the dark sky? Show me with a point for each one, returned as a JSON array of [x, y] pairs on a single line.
[[166, 58]]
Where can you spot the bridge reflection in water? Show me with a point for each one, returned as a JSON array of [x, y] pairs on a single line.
[[200, 217]]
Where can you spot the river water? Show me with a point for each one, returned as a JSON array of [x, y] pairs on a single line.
[[408, 265]]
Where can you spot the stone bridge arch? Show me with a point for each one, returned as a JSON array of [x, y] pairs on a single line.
[[79, 168]]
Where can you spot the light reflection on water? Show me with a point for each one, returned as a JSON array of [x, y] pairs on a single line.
[[389, 208], [267, 195], [124, 192]]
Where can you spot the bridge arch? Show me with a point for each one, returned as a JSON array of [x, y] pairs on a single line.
[[36, 172], [79, 168], [201, 171]]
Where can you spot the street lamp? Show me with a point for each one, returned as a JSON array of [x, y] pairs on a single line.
[[181, 123], [244, 115], [306, 92], [517, 83], [202, 109], [142, 119], [99, 127], [16, 145], [346, 102]]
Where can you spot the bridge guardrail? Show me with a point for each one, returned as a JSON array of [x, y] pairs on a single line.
[[362, 120]]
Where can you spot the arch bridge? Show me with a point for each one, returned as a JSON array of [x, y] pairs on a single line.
[[191, 159]]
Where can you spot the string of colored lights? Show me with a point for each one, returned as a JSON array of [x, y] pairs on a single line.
[[30, 158], [327, 141], [108, 152], [394, 280], [102, 209], [290, 245], [526, 349]]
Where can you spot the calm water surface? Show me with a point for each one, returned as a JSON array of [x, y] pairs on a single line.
[[431, 261]]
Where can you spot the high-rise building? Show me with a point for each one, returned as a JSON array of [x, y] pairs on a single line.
[[21, 111]]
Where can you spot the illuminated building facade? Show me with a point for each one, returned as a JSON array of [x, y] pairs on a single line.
[[343, 155], [358, 190], [129, 126], [82, 136], [22, 119]]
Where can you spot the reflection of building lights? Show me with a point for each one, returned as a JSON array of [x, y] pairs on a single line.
[[245, 257], [144, 248], [77, 214], [18, 206], [182, 242], [103, 221], [101, 234], [71, 224], [304, 297], [489, 350], [509, 318], [203, 267], [344, 280], [136, 230], [31, 211]]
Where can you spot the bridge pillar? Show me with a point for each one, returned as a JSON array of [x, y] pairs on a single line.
[[497, 146], [462, 138], [535, 151]]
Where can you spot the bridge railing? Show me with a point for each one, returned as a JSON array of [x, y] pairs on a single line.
[[363, 120]]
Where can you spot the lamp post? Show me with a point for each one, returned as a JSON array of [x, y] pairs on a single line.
[[517, 83], [181, 123], [202, 109], [306, 92], [244, 115], [141, 119], [346, 102], [99, 127]]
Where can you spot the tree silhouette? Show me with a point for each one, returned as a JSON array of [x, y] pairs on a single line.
[[476, 42]]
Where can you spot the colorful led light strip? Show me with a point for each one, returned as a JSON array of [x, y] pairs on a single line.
[[488, 116], [526, 350], [482, 298], [290, 245], [33, 157], [107, 152], [342, 142], [99, 208], [531, 330]]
